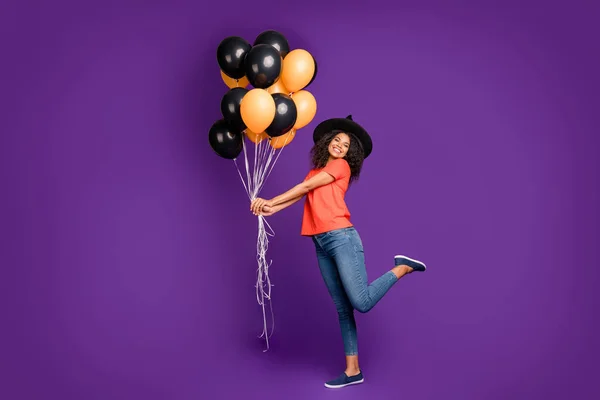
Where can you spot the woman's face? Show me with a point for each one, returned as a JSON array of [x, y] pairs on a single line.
[[339, 145]]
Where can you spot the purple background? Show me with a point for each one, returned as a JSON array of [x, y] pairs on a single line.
[[128, 251]]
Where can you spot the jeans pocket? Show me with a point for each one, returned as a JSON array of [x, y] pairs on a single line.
[[355, 239], [336, 233]]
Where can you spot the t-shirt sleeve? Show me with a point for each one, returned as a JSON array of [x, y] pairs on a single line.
[[338, 168]]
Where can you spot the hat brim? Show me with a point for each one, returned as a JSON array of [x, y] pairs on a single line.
[[347, 126]]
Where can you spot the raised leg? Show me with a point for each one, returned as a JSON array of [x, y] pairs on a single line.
[[349, 257]]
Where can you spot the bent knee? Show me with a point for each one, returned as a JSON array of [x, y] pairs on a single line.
[[362, 306]]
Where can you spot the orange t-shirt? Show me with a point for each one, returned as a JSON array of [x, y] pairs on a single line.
[[325, 208]]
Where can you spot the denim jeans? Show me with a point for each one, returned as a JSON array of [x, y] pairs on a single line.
[[342, 262]]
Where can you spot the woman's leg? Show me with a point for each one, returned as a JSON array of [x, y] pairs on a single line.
[[347, 250], [330, 274]]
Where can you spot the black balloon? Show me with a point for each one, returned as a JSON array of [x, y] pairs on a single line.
[[286, 114], [231, 54], [263, 65], [226, 141], [314, 75], [230, 107], [275, 39]]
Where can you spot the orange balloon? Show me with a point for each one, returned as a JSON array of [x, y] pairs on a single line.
[[306, 104], [283, 140], [298, 69], [256, 137], [257, 110], [278, 87], [232, 83]]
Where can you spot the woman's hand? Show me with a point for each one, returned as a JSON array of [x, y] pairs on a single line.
[[257, 205], [268, 211]]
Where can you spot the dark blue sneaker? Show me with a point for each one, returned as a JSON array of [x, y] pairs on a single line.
[[345, 380], [414, 264]]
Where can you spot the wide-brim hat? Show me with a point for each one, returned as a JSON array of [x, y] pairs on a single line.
[[346, 125]]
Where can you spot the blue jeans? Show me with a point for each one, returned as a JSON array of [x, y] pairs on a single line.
[[342, 262]]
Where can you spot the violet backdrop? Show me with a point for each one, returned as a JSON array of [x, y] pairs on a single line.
[[128, 250]]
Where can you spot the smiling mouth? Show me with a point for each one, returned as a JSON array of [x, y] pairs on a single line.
[[336, 150]]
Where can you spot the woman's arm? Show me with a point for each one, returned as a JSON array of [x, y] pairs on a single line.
[[268, 211], [298, 191], [288, 203], [321, 179]]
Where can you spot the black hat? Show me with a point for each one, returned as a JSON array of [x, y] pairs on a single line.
[[346, 125]]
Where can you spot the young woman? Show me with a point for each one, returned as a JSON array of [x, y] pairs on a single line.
[[340, 147]]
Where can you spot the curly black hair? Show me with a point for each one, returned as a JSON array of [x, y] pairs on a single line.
[[355, 155]]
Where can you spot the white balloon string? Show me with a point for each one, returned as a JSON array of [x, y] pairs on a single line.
[[255, 174], [270, 229], [263, 159], [268, 158], [241, 178], [247, 167], [280, 151], [256, 152], [261, 164], [263, 282], [267, 162], [257, 168]]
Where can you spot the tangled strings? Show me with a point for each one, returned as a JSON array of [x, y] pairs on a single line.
[[265, 158]]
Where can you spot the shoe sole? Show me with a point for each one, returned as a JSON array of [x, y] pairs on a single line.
[[411, 259], [341, 386]]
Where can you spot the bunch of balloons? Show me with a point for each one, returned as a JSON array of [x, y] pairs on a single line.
[[278, 103], [268, 115]]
